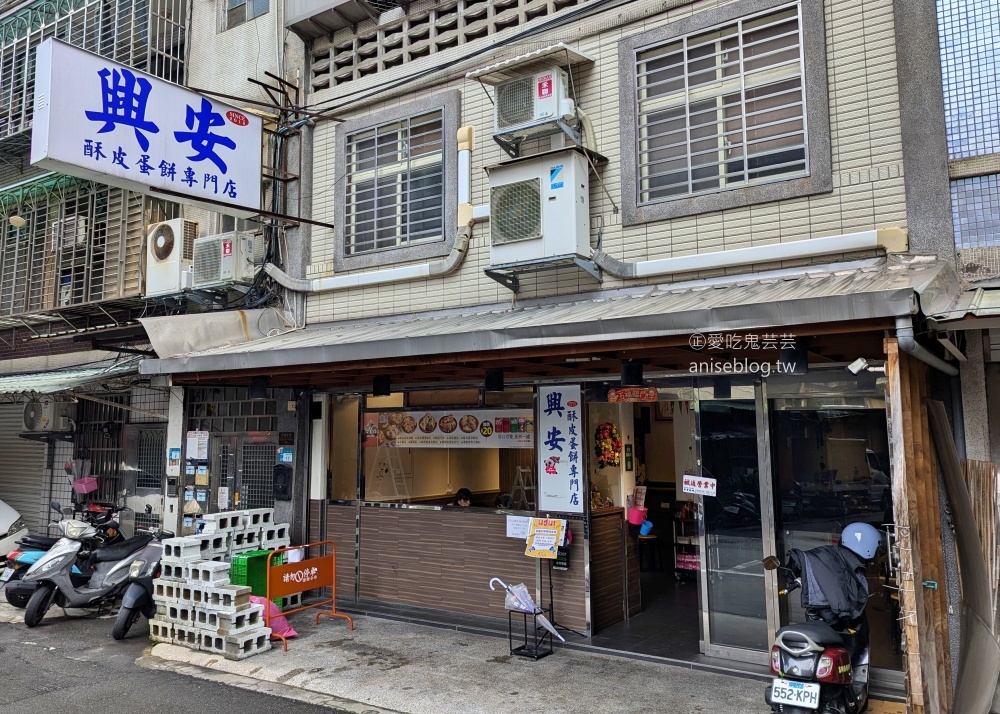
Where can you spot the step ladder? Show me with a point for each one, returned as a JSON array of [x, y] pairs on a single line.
[[387, 469], [523, 493]]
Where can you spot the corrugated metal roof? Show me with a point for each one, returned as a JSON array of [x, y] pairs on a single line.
[[978, 303], [879, 288], [63, 380]]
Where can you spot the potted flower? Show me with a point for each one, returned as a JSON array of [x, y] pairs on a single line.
[[607, 445]]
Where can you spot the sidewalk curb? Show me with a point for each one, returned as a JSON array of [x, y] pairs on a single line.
[[208, 667]]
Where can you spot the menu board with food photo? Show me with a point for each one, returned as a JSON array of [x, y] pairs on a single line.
[[456, 429]]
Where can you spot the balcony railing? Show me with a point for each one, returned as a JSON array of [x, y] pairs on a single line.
[[145, 34]]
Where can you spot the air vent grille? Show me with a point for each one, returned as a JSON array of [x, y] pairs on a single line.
[[515, 102], [207, 260], [516, 211]]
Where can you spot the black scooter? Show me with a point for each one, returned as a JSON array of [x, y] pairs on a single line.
[[138, 596], [817, 667]]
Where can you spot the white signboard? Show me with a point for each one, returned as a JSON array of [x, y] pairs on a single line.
[[100, 120], [457, 429], [197, 445], [700, 485], [517, 527], [560, 450]]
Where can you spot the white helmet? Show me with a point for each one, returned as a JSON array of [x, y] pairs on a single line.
[[862, 539]]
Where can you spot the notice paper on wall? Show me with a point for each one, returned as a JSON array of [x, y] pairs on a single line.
[[545, 535], [223, 497], [517, 526], [197, 445]]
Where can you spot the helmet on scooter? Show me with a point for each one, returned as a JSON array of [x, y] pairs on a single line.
[[862, 539]]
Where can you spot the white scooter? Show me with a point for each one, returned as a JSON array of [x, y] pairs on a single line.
[[108, 567]]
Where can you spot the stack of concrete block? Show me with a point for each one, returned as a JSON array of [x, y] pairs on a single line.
[[243, 531], [197, 606]]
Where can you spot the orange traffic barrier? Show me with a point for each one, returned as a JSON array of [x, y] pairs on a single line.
[[307, 574]]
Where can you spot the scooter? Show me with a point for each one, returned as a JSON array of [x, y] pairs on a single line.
[[50, 577], [817, 667], [34, 547], [138, 597]]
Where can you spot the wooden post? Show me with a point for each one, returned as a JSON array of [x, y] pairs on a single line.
[[916, 511]]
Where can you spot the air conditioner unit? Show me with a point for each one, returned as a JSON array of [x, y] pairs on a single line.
[[530, 103], [48, 415], [540, 208], [169, 249], [227, 258]]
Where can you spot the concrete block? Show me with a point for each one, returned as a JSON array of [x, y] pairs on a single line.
[[161, 631], [220, 522], [168, 591], [181, 550], [206, 619], [225, 597], [276, 543], [206, 572], [258, 517], [178, 572], [175, 612], [211, 642], [239, 647], [290, 602], [187, 636], [241, 621], [213, 542]]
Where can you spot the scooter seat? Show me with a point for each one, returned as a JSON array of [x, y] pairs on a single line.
[[31, 542], [819, 632], [120, 551]]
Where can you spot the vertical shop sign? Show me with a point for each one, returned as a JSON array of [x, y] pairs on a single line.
[[560, 467]]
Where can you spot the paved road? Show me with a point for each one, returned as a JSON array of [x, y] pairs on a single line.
[[73, 665]]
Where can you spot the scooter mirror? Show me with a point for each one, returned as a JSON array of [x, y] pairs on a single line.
[[54, 505], [771, 563], [149, 508]]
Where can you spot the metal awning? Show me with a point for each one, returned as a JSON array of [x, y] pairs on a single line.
[[559, 54], [58, 381], [976, 309], [863, 290]]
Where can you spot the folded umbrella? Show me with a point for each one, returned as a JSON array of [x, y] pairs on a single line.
[[524, 603]]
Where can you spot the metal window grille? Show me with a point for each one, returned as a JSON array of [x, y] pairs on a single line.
[[99, 440], [150, 459], [258, 476], [395, 184], [146, 34], [722, 108], [228, 410], [82, 243]]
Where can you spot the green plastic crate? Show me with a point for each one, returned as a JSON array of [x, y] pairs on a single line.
[[251, 569]]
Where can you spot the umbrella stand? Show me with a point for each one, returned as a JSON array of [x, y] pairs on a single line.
[[538, 645]]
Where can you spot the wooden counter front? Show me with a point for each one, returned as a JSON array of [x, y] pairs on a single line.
[[444, 559]]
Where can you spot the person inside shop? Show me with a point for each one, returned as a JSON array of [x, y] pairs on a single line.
[[504, 502], [463, 499]]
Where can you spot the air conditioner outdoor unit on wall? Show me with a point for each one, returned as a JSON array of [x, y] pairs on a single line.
[[227, 258], [169, 249], [48, 415], [540, 208], [529, 104]]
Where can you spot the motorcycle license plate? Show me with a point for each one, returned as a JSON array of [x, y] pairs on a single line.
[[801, 694], [6, 574]]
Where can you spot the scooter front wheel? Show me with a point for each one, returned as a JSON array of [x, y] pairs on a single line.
[[127, 617], [39, 604]]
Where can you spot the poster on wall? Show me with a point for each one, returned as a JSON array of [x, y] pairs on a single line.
[[545, 535], [465, 429], [560, 446]]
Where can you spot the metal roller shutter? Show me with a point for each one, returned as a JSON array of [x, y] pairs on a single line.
[[22, 469]]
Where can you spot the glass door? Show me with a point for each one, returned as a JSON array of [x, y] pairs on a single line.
[[737, 526]]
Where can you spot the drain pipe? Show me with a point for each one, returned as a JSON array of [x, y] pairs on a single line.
[[891, 240], [908, 343], [433, 269]]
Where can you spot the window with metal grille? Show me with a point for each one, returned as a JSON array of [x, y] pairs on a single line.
[[258, 476], [722, 108], [395, 184], [241, 11], [150, 459]]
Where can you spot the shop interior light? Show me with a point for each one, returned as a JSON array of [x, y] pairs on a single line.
[[631, 373], [381, 385], [258, 388], [494, 380]]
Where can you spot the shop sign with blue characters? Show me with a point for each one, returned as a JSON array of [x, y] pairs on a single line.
[[100, 120], [560, 468]]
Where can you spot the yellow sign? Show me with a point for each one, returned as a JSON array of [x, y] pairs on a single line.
[[545, 535]]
